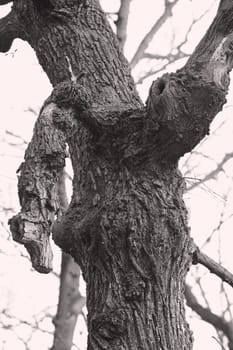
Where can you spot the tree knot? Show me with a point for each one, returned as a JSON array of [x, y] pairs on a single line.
[[134, 287], [110, 324], [71, 94]]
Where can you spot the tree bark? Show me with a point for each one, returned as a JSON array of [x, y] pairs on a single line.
[[126, 225]]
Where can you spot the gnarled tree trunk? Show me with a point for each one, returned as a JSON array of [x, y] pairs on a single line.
[[126, 225]]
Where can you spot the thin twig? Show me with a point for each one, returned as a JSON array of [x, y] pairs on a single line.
[[149, 36], [214, 267]]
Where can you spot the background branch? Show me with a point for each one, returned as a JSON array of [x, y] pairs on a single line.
[[212, 174], [149, 36], [122, 21], [208, 316]]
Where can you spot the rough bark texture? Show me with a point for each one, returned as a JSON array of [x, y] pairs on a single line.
[[126, 225]]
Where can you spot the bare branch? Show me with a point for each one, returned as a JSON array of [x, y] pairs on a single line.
[[20, 138], [213, 267], [122, 21], [169, 59], [10, 29], [213, 173], [207, 315], [220, 343], [149, 36]]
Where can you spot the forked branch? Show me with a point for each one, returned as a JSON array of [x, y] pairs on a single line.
[[207, 315], [182, 105], [149, 36]]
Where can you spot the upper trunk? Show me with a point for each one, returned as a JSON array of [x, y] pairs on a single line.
[[76, 33]]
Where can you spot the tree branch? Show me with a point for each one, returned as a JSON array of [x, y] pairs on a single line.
[[207, 315], [213, 267], [182, 105], [10, 29], [4, 2], [44, 159], [172, 57], [122, 21], [212, 174], [149, 36], [169, 59]]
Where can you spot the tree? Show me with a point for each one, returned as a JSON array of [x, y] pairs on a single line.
[[126, 225]]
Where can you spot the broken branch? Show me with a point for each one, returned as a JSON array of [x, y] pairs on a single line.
[[39, 174], [213, 267]]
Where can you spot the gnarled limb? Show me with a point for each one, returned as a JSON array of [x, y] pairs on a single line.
[[44, 160], [184, 104], [10, 29]]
